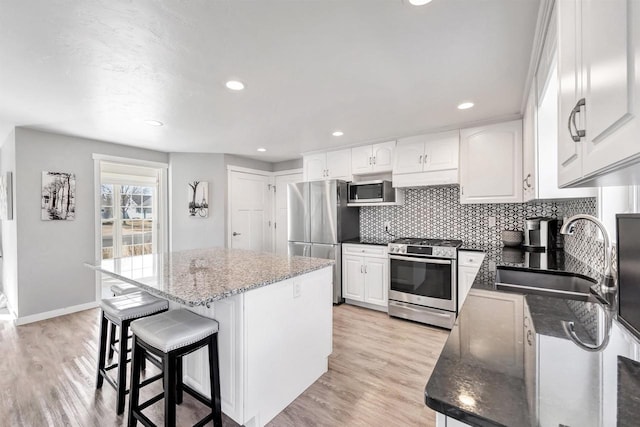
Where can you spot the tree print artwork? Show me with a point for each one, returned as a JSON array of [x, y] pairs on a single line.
[[58, 199], [198, 195]]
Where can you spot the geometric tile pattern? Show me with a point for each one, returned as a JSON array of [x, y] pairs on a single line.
[[436, 212]]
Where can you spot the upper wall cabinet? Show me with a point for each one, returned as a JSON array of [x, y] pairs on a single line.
[[540, 131], [491, 163], [372, 158], [427, 160], [598, 42], [329, 165]]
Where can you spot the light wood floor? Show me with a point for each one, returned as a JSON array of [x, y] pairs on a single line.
[[376, 376]]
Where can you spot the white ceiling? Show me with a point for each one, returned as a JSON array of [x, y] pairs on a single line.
[[374, 69]]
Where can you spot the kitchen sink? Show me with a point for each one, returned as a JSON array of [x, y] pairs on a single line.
[[557, 283]]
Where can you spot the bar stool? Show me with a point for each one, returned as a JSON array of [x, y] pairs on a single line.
[[172, 335], [121, 311], [118, 289]]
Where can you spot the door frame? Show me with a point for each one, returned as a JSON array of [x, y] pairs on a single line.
[[271, 210], [162, 200]]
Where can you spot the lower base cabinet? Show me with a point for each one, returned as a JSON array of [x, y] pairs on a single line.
[[469, 263], [365, 275], [443, 421]]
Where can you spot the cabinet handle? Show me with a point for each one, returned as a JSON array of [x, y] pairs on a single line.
[[425, 159], [526, 181], [529, 337], [461, 190], [365, 269], [369, 161], [572, 121], [362, 269], [420, 159], [374, 160]]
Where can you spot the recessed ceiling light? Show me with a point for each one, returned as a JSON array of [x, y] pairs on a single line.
[[235, 85], [262, 150], [338, 133], [153, 123], [419, 2], [465, 105]]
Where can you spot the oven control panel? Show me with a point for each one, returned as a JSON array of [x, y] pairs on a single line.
[[423, 251]]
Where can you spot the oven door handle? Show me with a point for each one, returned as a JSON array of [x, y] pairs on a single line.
[[422, 260]]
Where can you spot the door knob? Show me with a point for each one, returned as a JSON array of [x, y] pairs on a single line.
[[236, 234]]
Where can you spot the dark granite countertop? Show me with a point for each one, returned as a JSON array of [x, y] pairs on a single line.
[[509, 360], [370, 241]]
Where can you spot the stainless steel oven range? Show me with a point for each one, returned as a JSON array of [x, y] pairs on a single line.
[[422, 281]]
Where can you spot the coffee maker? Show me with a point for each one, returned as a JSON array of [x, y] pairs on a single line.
[[540, 234]]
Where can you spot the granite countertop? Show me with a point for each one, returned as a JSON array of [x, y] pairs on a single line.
[[509, 360], [384, 241], [200, 276]]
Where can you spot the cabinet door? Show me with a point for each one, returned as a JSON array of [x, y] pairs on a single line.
[[609, 52], [314, 166], [361, 159], [353, 277], [376, 280], [383, 156], [569, 77], [409, 155], [441, 151], [529, 146], [466, 276], [339, 164], [491, 163]]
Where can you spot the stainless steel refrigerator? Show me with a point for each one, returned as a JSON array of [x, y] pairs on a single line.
[[319, 221]]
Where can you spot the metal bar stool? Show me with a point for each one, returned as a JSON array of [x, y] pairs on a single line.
[[172, 335], [121, 311], [118, 289]]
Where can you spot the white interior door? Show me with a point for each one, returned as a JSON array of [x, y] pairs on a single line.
[[280, 223], [250, 211]]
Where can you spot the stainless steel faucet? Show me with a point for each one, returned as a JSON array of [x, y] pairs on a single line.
[[568, 228]]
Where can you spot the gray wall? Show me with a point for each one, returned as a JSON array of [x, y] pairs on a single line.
[[9, 229], [51, 254], [287, 165], [194, 232]]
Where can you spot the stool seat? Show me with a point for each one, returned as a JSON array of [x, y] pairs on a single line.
[[132, 306], [173, 329], [122, 288]]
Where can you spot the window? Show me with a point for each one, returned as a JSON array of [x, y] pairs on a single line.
[[127, 215]]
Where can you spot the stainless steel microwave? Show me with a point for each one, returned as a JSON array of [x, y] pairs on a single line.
[[371, 192]]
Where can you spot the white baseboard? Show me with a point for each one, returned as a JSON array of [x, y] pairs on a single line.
[[55, 313], [382, 308]]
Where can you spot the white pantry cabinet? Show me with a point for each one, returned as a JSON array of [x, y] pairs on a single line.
[[598, 44], [329, 165], [372, 158], [365, 275], [469, 263], [491, 163], [430, 159]]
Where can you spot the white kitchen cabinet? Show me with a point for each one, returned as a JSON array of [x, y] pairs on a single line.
[[365, 275], [469, 263], [491, 163], [430, 159], [330, 165], [374, 158], [598, 45], [540, 131]]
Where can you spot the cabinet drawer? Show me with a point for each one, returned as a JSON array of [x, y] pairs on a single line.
[[368, 250], [470, 259]]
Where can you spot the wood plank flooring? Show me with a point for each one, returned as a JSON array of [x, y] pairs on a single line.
[[376, 376]]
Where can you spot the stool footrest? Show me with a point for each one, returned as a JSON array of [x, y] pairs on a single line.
[[196, 394], [204, 421], [143, 419], [151, 401], [150, 380]]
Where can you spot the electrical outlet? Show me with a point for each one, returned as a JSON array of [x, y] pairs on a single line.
[[387, 226], [492, 221]]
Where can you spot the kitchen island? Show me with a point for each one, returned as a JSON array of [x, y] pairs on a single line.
[[275, 316], [509, 360]]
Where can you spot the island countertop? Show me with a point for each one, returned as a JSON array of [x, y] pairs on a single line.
[[201, 276]]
